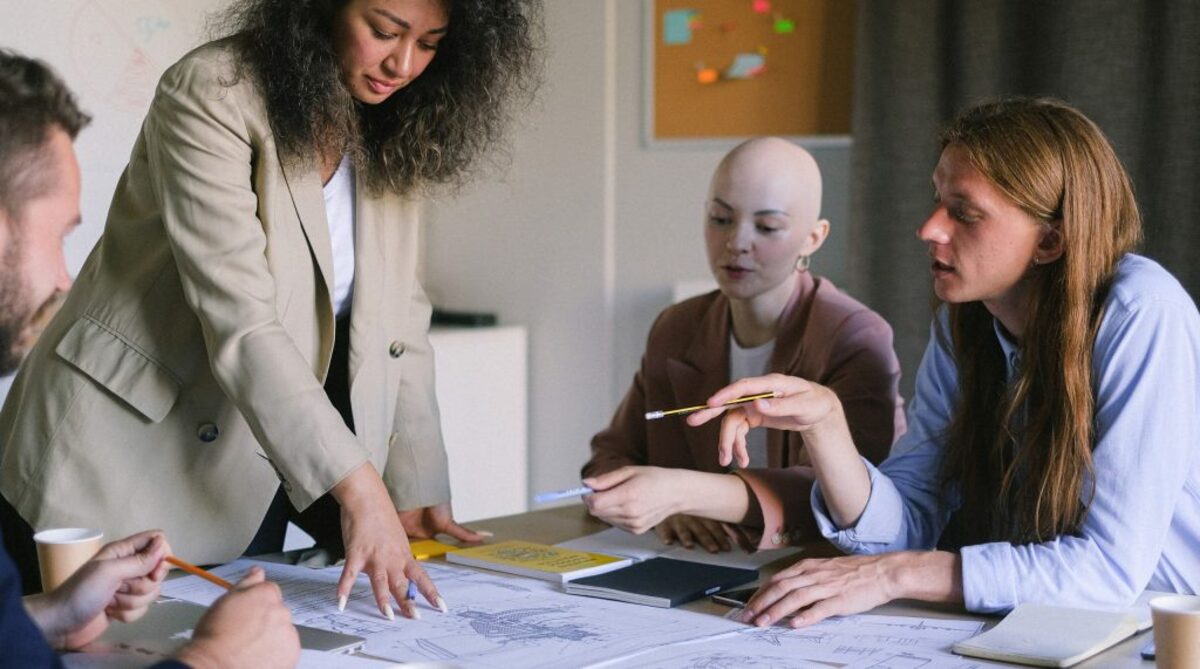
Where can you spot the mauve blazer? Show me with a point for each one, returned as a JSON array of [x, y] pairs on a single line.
[[827, 337], [182, 380]]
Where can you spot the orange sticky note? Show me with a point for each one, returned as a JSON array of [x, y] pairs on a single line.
[[708, 76]]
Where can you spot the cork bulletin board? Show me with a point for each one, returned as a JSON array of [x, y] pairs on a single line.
[[727, 69]]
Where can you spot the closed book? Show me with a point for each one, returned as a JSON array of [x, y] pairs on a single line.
[[1051, 636], [525, 558], [661, 582]]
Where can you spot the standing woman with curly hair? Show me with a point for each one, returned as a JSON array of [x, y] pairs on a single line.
[[1053, 444], [248, 341]]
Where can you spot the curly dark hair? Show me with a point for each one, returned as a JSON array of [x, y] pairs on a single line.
[[433, 131], [32, 101]]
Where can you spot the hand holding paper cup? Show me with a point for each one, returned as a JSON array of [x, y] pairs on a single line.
[[62, 551], [1176, 631]]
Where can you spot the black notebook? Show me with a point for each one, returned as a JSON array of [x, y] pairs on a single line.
[[661, 582]]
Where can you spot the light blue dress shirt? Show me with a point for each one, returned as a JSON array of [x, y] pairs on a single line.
[[1142, 529]]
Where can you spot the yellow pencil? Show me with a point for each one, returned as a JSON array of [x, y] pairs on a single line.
[[655, 415], [193, 569]]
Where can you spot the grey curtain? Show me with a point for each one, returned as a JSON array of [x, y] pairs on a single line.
[[1132, 66]]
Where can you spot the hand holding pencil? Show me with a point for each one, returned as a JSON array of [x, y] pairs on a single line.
[[778, 401]]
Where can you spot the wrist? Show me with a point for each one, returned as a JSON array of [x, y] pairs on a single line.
[[928, 576], [42, 609], [360, 489], [832, 427]]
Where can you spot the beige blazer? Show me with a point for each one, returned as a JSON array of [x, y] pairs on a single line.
[[827, 337], [183, 378]]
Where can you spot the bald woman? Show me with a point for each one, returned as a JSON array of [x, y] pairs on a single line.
[[770, 315]]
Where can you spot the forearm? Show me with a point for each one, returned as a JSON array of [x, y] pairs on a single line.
[[845, 482], [362, 489], [927, 576], [721, 497]]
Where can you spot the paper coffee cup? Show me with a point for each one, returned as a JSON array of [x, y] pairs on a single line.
[[62, 551], [1176, 631]]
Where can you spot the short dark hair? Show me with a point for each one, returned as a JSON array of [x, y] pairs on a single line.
[[33, 100]]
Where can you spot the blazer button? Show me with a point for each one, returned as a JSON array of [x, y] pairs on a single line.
[[396, 349], [208, 433]]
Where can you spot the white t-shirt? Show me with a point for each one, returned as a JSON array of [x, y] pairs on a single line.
[[339, 213], [745, 362]]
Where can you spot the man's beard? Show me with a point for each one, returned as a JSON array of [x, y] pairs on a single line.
[[15, 313]]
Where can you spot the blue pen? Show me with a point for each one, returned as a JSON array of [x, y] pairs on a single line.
[[543, 497]]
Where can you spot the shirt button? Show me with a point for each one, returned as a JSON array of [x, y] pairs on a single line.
[[392, 439], [207, 432], [396, 349]]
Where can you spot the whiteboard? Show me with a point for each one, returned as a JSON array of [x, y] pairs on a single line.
[[111, 54]]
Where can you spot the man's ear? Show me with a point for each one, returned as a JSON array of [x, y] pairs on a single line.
[[1051, 245]]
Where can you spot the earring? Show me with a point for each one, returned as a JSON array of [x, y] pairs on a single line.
[[802, 263]]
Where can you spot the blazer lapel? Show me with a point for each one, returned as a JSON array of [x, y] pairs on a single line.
[[702, 370], [308, 197]]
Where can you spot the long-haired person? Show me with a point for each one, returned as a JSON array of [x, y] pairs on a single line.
[[1053, 444], [762, 226], [248, 340]]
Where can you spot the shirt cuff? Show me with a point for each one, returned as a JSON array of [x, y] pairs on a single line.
[[879, 525], [989, 578]]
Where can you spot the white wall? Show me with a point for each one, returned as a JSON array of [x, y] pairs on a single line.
[[590, 229], [534, 246]]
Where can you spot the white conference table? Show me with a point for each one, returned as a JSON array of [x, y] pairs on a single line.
[[551, 526]]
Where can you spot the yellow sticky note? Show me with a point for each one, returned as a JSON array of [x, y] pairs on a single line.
[[429, 548]]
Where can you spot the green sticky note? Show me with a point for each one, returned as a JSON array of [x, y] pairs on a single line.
[[677, 26], [785, 26]]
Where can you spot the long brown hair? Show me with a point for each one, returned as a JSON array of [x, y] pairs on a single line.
[[1021, 452]]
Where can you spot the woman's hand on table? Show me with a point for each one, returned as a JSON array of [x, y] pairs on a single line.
[[815, 589], [377, 545], [427, 522], [690, 531]]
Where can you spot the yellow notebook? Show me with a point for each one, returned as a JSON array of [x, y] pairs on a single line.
[[549, 563]]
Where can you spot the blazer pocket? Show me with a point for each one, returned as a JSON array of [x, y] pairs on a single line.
[[122, 368]]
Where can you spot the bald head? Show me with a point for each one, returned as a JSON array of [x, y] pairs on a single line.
[[772, 173]]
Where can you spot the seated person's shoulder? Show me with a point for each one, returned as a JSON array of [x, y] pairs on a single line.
[[837, 314], [678, 324], [1140, 282]]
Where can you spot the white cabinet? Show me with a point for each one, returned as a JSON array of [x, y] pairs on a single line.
[[482, 394]]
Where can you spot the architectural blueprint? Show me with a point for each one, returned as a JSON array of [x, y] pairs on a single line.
[[497, 620]]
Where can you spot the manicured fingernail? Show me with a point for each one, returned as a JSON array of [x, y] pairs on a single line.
[[441, 604], [410, 609], [763, 620], [387, 611], [342, 599], [485, 533], [747, 616]]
